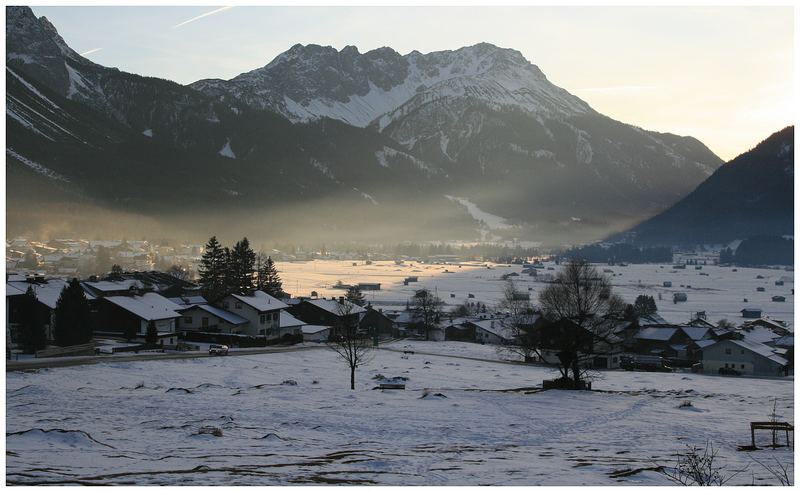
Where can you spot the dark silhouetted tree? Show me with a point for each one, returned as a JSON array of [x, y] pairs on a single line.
[[355, 296], [151, 336], [212, 270], [73, 316], [579, 302], [427, 308], [32, 336]]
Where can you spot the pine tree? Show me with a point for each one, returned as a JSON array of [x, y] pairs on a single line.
[[73, 323], [241, 268], [32, 336], [355, 296], [151, 335], [644, 305], [270, 280], [116, 272], [213, 267]]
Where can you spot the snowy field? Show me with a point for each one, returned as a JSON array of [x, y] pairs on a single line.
[[289, 418], [720, 293]]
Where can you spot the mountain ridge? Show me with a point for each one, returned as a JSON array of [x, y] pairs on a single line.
[[750, 195], [486, 126]]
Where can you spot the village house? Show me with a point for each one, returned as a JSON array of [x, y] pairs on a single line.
[[493, 331], [751, 313], [210, 319], [743, 357], [47, 293], [328, 312], [374, 321], [129, 316], [316, 333], [261, 310]]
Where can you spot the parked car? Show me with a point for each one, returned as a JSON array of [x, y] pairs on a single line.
[[218, 350]]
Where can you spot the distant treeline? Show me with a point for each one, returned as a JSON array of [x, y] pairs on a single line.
[[616, 253], [760, 250], [418, 250]]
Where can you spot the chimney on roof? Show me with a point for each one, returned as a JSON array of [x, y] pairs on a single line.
[[341, 299]]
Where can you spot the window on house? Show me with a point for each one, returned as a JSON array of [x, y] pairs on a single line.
[[238, 305], [726, 365], [263, 319], [727, 352], [225, 305], [275, 316], [742, 351], [205, 321], [187, 320], [742, 366]]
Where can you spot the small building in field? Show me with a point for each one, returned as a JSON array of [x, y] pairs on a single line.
[[741, 357], [369, 286], [316, 333], [751, 313], [679, 297]]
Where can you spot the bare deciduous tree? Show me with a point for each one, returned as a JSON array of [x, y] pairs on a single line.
[[352, 345], [520, 319], [580, 304], [427, 308]]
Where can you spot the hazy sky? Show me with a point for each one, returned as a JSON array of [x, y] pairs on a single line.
[[721, 74]]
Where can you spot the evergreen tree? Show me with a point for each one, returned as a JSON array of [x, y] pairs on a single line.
[[355, 296], [268, 279], [73, 323], [116, 272], [32, 336], [212, 270], [645, 305], [241, 268], [151, 336]]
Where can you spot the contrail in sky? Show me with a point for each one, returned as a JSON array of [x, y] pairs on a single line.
[[216, 11], [95, 50]]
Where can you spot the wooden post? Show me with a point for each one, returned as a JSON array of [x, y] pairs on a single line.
[[753, 435]]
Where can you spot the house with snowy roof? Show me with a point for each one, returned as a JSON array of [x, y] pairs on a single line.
[[328, 312], [210, 319], [261, 310], [129, 316], [47, 293], [743, 357]]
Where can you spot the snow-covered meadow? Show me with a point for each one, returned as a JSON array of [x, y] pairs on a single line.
[[289, 418], [720, 291]]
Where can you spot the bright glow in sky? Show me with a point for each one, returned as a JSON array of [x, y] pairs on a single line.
[[721, 74]]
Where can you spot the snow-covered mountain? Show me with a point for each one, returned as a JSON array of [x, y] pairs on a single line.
[[310, 82], [386, 137]]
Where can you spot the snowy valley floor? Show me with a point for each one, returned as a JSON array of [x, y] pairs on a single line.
[[138, 422]]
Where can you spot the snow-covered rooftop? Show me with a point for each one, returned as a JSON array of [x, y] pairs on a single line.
[[654, 333], [333, 307], [261, 301], [150, 306], [228, 316], [288, 320]]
